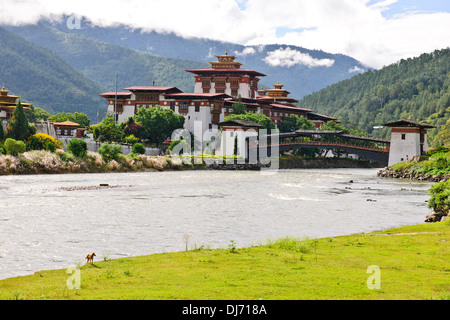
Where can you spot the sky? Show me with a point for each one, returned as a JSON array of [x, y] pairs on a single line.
[[375, 32]]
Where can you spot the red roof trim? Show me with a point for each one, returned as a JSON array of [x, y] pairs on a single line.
[[276, 105], [224, 70]]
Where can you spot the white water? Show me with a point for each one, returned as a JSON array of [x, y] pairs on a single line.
[[45, 227]]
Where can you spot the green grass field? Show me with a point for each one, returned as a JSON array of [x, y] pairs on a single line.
[[413, 262]]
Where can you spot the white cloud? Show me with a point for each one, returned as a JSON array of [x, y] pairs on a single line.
[[355, 69], [246, 51], [353, 27], [288, 57]]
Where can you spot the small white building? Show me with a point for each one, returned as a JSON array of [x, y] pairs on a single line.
[[408, 139]]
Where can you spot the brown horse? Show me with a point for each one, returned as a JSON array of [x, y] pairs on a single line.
[[90, 257]]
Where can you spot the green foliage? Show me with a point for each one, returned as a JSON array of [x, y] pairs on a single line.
[[76, 117], [334, 126], [18, 127], [440, 197], [417, 89], [108, 131], [254, 117], [294, 122], [182, 145], [442, 138], [110, 151], [2, 131], [158, 123], [131, 139], [77, 147], [138, 148], [14, 147], [238, 107], [37, 114], [42, 141]]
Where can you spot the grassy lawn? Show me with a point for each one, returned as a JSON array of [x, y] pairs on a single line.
[[413, 261]]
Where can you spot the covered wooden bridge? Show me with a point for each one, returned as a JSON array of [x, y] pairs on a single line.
[[373, 149]]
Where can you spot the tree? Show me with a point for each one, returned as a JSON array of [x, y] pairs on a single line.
[[158, 123], [2, 131], [238, 107], [294, 122], [77, 147], [108, 131], [443, 137], [254, 117], [76, 117], [18, 127], [37, 114]]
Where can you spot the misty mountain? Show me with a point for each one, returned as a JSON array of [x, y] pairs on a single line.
[[102, 52], [44, 79]]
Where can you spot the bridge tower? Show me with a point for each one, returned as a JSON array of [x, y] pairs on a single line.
[[408, 139]]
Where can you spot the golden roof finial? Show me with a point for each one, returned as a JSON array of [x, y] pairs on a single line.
[[3, 87], [226, 52]]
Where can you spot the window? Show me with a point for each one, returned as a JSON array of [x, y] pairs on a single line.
[[220, 84], [206, 83], [403, 136], [234, 92]]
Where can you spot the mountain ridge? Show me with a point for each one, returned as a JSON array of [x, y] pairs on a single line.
[[297, 77]]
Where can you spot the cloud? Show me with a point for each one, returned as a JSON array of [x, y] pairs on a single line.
[[355, 69], [246, 51], [359, 28], [288, 57]]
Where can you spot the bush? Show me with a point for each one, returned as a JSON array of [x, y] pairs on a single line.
[[77, 147], [42, 141], [14, 147], [110, 151], [183, 145], [131, 139], [138, 148], [440, 197]]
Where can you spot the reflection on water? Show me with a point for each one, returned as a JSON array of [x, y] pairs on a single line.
[[53, 221]]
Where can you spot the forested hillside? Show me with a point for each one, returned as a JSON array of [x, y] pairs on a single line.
[[44, 79], [101, 61], [416, 89]]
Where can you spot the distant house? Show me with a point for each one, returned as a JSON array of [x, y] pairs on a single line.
[[68, 129]]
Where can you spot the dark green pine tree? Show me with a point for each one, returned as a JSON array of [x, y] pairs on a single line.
[[2, 131], [18, 127]]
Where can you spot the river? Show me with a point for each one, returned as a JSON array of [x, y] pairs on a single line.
[[53, 221]]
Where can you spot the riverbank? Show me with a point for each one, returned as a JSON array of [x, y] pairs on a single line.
[[396, 173], [46, 162], [412, 264]]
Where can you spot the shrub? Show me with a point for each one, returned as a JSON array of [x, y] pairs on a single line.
[[182, 146], [14, 147], [440, 197], [110, 151], [42, 141], [138, 148], [131, 139], [77, 147]]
